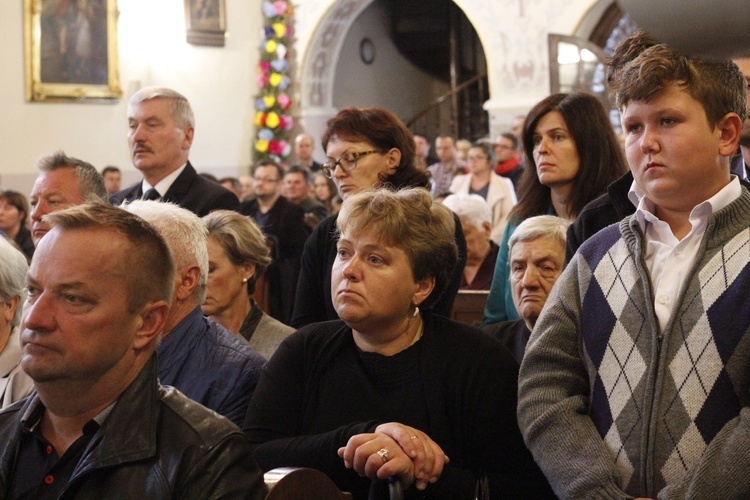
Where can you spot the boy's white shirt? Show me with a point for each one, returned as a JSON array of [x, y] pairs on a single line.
[[667, 258]]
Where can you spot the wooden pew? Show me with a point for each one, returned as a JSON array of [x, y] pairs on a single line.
[[469, 306], [293, 483]]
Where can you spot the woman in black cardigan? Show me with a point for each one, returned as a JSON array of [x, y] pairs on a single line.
[[391, 389]]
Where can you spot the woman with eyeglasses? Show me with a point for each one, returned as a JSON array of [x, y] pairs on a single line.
[[366, 148], [497, 191]]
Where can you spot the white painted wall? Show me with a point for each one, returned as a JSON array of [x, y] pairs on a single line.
[[219, 82]]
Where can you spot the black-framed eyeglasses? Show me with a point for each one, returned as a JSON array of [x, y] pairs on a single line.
[[347, 162]]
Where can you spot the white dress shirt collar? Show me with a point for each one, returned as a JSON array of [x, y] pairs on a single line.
[[163, 185]]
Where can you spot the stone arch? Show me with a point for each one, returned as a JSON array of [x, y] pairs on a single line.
[[319, 60], [513, 34], [321, 56]]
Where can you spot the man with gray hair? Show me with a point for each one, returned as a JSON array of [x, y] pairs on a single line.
[[63, 182], [536, 256], [160, 132], [201, 358]]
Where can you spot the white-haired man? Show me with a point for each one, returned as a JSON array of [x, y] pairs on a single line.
[[201, 358], [537, 257]]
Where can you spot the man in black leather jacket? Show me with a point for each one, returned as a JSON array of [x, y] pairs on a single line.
[[100, 425]]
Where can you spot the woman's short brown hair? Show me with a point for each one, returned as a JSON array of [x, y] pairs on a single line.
[[385, 131], [410, 220]]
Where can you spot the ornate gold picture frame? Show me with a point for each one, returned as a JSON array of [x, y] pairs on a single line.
[[71, 50], [205, 22]]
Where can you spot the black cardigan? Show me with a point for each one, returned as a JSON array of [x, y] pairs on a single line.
[[458, 383]]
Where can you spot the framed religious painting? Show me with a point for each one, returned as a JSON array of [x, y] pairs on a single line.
[[205, 22], [71, 50]]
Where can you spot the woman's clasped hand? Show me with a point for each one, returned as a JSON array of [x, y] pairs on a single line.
[[409, 454]]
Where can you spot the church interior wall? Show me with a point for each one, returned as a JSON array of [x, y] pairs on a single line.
[[391, 81], [220, 82]]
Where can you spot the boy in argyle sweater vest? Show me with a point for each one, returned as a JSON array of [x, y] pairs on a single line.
[[636, 379]]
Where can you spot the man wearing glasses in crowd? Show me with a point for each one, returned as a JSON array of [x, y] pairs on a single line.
[[283, 224]]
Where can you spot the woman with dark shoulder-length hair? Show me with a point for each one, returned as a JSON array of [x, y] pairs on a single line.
[[366, 148], [391, 389], [572, 155]]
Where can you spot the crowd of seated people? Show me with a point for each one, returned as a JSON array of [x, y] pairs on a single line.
[[135, 340]]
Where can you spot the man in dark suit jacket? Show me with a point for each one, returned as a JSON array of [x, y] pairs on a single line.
[[283, 223], [160, 133]]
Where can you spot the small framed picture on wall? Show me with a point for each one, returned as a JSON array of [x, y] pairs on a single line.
[[205, 22]]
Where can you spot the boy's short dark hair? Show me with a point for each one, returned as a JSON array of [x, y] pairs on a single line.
[[717, 85]]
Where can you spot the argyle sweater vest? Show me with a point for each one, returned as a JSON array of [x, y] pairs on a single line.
[[658, 399]]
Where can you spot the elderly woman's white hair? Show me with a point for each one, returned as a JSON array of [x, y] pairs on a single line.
[[548, 226], [471, 208], [13, 268]]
